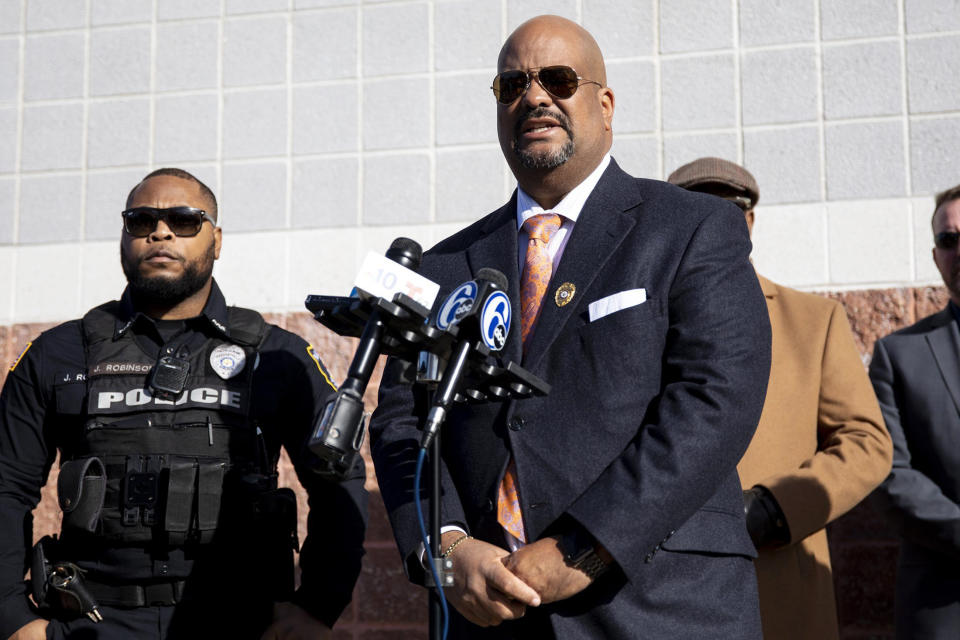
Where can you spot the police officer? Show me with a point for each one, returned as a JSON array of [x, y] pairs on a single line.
[[169, 409]]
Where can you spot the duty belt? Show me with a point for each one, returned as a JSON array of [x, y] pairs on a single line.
[[156, 594]]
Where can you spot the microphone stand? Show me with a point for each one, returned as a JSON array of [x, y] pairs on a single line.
[[436, 611], [408, 336], [428, 375]]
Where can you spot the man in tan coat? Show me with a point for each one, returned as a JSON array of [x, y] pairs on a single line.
[[820, 447]]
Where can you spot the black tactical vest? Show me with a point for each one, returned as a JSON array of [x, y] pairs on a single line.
[[156, 471]]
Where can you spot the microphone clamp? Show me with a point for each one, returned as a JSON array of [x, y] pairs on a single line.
[[339, 433]]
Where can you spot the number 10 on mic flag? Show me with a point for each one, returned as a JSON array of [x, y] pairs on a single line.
[[381, 277]]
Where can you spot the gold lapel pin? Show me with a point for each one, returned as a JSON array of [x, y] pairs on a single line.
[[564, 294]]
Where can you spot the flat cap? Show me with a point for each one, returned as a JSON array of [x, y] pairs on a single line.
[[700, 174]]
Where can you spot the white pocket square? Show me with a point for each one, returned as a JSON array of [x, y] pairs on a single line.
[[616, 302]]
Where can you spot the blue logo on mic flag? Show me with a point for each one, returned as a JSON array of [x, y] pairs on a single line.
[[457, 304], [495, 320]]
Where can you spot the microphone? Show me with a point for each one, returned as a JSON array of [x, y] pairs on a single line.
[[405, 252], [385, 276], [481, 310], [339, 432]]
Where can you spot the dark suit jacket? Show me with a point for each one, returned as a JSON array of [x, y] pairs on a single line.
[[651, 408], [916, 375]]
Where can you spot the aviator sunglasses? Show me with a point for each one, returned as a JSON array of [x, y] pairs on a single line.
[[946, 239], [560, 81], [184, 222]]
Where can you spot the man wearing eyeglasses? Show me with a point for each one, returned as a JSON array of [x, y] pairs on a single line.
[[168, 409], [820, 447], [916, 375], [610, 508]]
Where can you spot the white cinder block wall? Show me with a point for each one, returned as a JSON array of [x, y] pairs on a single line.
[[329, 127]]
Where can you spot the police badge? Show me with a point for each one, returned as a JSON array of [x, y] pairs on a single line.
[[227, 360]]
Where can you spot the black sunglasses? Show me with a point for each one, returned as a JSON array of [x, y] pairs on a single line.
[[182, 221], [946, 239], [560, 81]]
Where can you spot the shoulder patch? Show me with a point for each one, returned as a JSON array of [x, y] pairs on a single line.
[[24, 352], [323, 371]]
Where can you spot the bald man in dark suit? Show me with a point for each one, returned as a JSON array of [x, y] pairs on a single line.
[[610, 508]]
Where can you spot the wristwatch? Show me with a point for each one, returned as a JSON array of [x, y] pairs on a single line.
[[580, 552]]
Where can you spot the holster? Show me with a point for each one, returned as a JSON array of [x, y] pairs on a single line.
[[273, 521], [277, 509], [59, 586], [39, 571], [281, 506]]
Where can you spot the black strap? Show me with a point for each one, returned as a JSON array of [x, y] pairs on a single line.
[[209, 490], [100, 322], [247, 327], [131, 508], [180, 491], [159, 594]]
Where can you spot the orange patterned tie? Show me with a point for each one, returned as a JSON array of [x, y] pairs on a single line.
[[537, 269], [508, 504]]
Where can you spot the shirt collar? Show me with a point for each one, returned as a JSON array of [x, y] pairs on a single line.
[[214, 312], [955, 310], [572, 203]]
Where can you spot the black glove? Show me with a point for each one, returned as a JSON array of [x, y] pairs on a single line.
[[766, 523]]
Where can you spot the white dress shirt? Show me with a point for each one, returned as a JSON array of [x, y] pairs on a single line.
[[568, 209]]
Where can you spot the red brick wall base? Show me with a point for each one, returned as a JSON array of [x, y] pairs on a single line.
[[386, 607]]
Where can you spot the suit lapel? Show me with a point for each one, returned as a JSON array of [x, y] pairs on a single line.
[[599, 230], [944, 342], [497, 249]]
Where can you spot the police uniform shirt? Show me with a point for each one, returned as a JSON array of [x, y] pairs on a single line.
[[290, 388]]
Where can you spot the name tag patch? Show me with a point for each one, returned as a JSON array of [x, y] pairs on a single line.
[[119, 368]]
